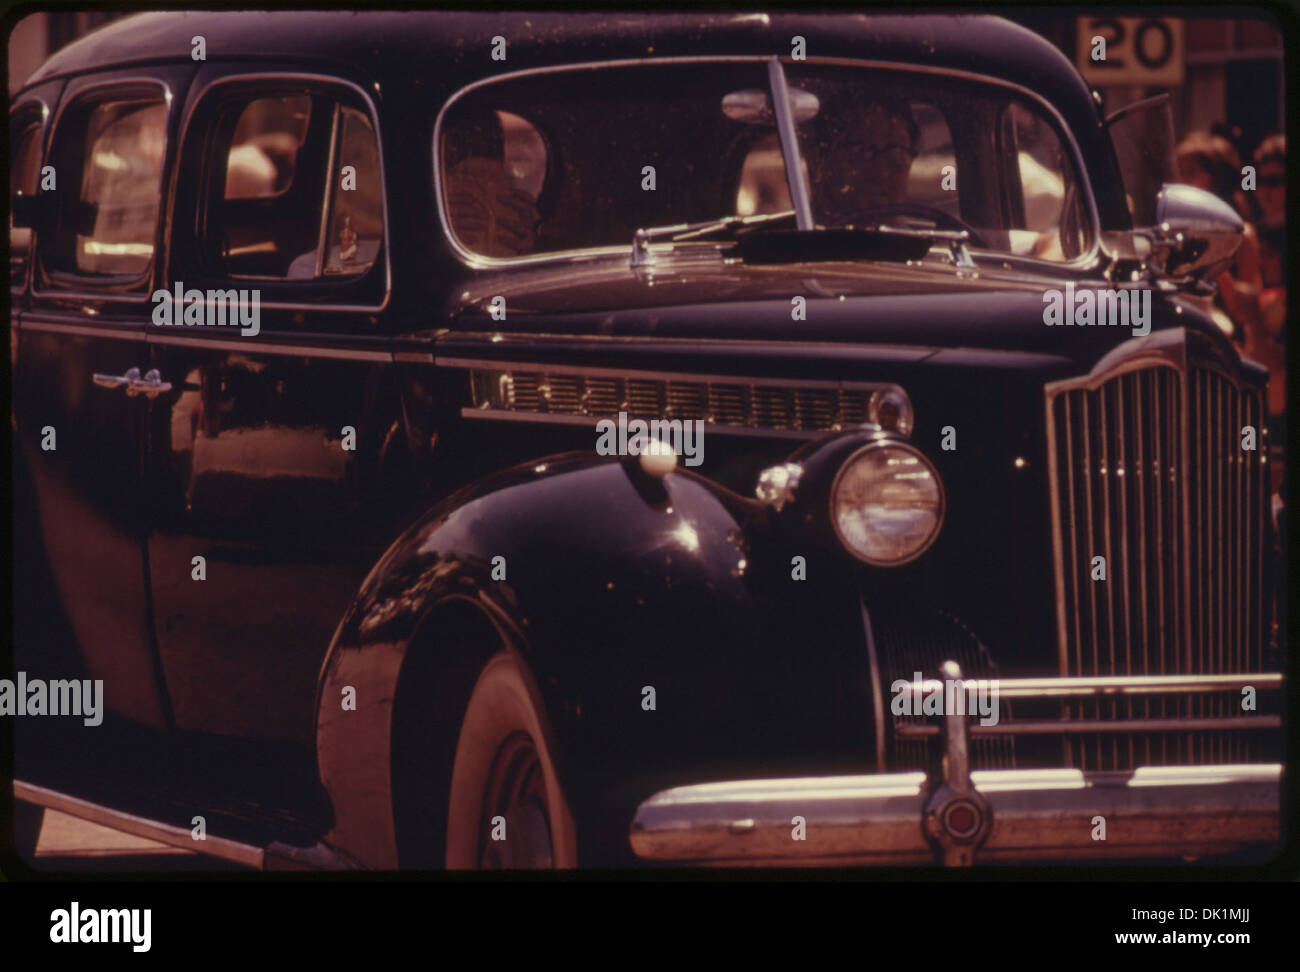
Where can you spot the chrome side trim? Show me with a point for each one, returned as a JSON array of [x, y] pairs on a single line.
[[898, 352], [126, 332], [258, 347], [136, 332], [212, 846], [591, 421], [597, 372]]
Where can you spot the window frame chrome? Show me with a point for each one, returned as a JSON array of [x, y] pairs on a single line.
[[199, 98]]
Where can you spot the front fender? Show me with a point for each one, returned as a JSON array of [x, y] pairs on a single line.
[[609, 583]]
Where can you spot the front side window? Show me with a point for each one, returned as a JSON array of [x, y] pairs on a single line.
[[110, 153], [295, 193]]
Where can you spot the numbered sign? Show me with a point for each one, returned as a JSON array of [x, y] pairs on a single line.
[[1138, 50]]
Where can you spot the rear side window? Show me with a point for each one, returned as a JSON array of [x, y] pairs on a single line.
[[111, 152], [292, 189], [25, 153]]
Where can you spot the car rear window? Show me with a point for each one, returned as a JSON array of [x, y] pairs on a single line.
[[111, 151]]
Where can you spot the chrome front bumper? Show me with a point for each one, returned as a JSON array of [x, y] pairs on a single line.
[[982, 816]]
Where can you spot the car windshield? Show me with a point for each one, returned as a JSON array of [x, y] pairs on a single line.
[[583, 158]]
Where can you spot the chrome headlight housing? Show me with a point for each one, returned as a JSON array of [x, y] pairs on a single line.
[[887, 504], [891, 409]]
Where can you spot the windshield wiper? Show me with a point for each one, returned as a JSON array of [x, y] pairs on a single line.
[[851, 243], [819, 243], [958, 240], [688, 231]]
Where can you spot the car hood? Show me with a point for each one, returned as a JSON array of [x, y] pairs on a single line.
[[929, 309]]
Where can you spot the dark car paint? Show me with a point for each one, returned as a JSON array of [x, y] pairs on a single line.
[[603, 595]]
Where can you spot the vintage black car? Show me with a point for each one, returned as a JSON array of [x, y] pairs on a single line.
[[339, 342]]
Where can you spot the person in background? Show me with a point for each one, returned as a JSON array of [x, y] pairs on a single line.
[[1267, 345], [1268, 205]]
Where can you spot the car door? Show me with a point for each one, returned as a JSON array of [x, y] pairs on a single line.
[[263, 454], [82, 355]]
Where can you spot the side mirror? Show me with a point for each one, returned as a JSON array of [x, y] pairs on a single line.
[[1196, 233]]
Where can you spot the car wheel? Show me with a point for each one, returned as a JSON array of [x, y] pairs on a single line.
[[506, 808], [28, 819]]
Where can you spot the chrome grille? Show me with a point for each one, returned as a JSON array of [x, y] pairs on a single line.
[[792, 408], [1148, 472]]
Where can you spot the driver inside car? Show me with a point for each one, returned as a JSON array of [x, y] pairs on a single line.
[[862, 164], [488, 211]]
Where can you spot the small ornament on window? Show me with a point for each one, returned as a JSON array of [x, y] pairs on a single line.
[[347, 241]]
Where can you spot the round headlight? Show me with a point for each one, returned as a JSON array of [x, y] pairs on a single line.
[[887, 504]]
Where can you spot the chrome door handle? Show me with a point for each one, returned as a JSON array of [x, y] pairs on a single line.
[[116, 381], [151, 385]]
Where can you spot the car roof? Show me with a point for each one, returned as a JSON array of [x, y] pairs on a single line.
[[391, 44], [440, 52]]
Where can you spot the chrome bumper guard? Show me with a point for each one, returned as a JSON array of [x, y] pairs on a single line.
[[993, 816]]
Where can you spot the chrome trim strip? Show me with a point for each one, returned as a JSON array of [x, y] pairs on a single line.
[[65, 102], [877, 692], [322, 80], [414, 357], [212, 846], [1076, 727], [124, 332], [258, 347], [136, 332], [910, 353], [331, 189], [554, 418], [1041, 688], [530, 367], [478, 262]]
